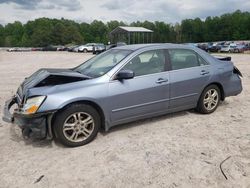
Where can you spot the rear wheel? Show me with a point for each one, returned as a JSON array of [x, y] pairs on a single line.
[[77, 125], [85, 50], [209, 100]]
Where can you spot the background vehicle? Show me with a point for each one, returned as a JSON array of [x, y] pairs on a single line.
[[62, 48], [71, 48], [99, 48], [75, 49], [239, 48], [121, 85], [247, 46], [86, 48], [228, 48], [203, 46], [49, 48], [12, 49], [37, 49], [214, 48]]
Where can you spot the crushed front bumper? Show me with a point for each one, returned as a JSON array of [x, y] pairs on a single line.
[[35, 125], [7, 116]]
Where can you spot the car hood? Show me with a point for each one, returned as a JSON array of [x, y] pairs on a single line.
[[48, 77]]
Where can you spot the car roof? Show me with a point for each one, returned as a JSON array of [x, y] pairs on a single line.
[[135, 47]]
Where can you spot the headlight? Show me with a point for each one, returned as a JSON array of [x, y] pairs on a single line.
[[32, 104]]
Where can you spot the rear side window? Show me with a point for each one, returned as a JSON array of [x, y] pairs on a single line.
[[201, 60], [182, 58]]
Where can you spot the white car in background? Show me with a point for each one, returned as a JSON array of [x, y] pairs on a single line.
[[228, 48], [86, 48], [12, 49]]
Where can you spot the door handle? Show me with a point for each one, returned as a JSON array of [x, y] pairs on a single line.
[[161, 80], [204, 72]]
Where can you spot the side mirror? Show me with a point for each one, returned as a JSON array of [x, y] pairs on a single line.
[[125, 74]]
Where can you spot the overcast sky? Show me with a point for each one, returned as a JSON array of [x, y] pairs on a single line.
[[123, 10]]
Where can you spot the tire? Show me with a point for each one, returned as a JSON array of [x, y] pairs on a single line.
[[209, 100], [85, 50], [76, 125]]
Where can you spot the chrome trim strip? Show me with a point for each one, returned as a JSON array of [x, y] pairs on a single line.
[[139, 105], [183, 96]]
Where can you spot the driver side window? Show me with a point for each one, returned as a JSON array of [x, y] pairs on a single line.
[[149, 62]]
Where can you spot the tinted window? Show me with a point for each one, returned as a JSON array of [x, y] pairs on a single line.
[[181, 59], [147, 63]]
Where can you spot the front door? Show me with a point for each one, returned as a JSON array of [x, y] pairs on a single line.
[[147, 93]]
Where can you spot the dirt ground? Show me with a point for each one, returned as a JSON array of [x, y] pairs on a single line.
[[183, 149]]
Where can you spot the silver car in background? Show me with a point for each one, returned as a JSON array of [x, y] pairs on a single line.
[[120, 85]]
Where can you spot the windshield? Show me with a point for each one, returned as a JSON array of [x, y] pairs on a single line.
[[101, 64]]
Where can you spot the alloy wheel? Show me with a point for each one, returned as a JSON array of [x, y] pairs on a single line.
[[211, 99], [78, 126]]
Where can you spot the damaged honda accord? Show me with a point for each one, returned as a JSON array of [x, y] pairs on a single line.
[[121, 85]]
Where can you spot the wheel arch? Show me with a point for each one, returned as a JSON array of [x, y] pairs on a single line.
[[88, 102], [219, 85]]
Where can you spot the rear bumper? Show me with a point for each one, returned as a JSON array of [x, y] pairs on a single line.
[[35, 126], [234, 87]]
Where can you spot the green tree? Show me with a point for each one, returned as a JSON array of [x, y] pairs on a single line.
[[59, 34], [1, 35], [86, 32], [42, 32], [13, 34], [45, 31], [99, 31]]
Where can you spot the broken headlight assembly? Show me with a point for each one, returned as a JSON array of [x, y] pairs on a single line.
[[32, 104]]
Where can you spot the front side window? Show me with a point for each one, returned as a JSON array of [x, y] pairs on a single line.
[[149, 62], [101, 64], [181, 59]]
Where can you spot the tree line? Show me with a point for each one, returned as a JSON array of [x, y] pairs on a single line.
[[44, 31]]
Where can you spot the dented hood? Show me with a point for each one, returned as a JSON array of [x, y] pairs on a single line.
[[49, 77]]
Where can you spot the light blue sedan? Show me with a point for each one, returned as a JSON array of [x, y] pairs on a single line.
[[121, 85]]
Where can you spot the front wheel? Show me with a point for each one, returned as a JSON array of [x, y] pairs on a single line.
[[77, 125], [209, 100]]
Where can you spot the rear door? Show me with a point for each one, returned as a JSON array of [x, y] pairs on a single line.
[[189, 74], [146, 93]]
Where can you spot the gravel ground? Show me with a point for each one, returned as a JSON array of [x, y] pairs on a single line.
[[183, 149]]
